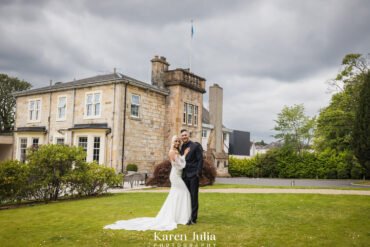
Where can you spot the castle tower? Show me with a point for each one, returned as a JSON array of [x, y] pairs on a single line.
[[185, 100]]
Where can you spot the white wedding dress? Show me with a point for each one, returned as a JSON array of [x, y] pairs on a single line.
[[175, 210]]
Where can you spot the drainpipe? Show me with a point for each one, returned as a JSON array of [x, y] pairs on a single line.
[[124, 128], [114, 113], [73, 114], [49, 117]]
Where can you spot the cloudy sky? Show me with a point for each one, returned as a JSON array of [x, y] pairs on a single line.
[[265, 54]]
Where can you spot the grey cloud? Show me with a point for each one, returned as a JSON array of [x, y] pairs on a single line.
[[266, 54]]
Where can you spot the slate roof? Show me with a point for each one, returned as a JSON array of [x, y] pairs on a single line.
[[91, 81]]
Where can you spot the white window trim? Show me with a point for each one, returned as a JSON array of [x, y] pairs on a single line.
[[133, 94], [28, 110], [101, 105], [29, 143], [195, 122], [90, 145], [65, 113]]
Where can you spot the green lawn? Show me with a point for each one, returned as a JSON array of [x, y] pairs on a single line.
[[231, 186], [235, 219]]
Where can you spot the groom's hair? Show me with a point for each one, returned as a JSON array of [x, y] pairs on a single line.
[[183, 130]]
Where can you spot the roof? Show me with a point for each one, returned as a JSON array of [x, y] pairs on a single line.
[[206, 118], [31, 129], [92, 81]]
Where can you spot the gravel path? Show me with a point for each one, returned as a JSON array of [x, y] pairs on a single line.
[[259, 191]]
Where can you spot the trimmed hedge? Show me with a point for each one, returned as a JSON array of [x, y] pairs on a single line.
[[280, 163]]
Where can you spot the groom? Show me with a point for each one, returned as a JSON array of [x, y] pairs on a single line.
[[192, 171]]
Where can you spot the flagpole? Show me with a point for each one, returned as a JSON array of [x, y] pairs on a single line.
[[191, 44]]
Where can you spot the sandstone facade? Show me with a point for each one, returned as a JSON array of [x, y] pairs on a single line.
[[132, 121]]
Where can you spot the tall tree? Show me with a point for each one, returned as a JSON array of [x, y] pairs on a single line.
[[361, 130], [9, 85], [294, 128], [335, 122]]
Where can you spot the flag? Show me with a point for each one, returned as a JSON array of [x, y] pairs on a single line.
[[192, 29]]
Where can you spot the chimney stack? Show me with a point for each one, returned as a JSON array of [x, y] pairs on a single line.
[[215, 116], [159, 67]]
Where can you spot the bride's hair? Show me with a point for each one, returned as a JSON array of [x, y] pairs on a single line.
[[174, 138]]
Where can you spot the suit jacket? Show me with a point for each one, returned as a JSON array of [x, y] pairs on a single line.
[[194, 159]]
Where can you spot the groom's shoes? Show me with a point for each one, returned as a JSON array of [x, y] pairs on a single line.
[[190, 222]]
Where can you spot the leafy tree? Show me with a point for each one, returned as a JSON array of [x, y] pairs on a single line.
[[262, 143], [294, 128], [9, 85], [353, 65], [361, 131], [335, 122]]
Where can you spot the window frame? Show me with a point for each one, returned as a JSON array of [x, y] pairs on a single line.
[[185, 114], [135, 104], [60, 138], [94, 149], [58, 118], [34, 110], [20, 149], [195, 115], [93, 110]]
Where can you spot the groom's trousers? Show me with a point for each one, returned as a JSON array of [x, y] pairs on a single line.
[[193, 186]]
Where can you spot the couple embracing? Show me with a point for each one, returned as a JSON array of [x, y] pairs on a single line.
[[181, 204]]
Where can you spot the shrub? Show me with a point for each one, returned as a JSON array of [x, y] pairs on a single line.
[[131, 167], [285, 163], [92, 179], [161, 175], [13, 181], [50, 165]]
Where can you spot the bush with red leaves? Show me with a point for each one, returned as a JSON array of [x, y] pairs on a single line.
[[162, 171]]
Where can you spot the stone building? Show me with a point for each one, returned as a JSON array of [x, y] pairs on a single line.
[[118, 120]]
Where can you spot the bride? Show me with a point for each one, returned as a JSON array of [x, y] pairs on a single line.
[[177, 206]]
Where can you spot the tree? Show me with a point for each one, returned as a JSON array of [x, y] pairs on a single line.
[[361, 130], [9, 85], [294, 128], [335, 122], [353, 65], [262, 143]]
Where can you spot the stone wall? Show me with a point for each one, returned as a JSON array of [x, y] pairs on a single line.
[[144, 137]]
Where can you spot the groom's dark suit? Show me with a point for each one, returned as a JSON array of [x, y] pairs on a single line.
[[192, 172]]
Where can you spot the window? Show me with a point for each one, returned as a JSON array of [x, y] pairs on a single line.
[[96, 150], [184, 121], [35, 143], [60, 141], [82, 142], [22, 149], [190, 114], [93, 104], [34, 110], [135, 104], [195, 115], [62, 105], [204, 133]]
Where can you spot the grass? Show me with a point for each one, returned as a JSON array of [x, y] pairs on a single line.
[[235, 220], [233, 186]]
